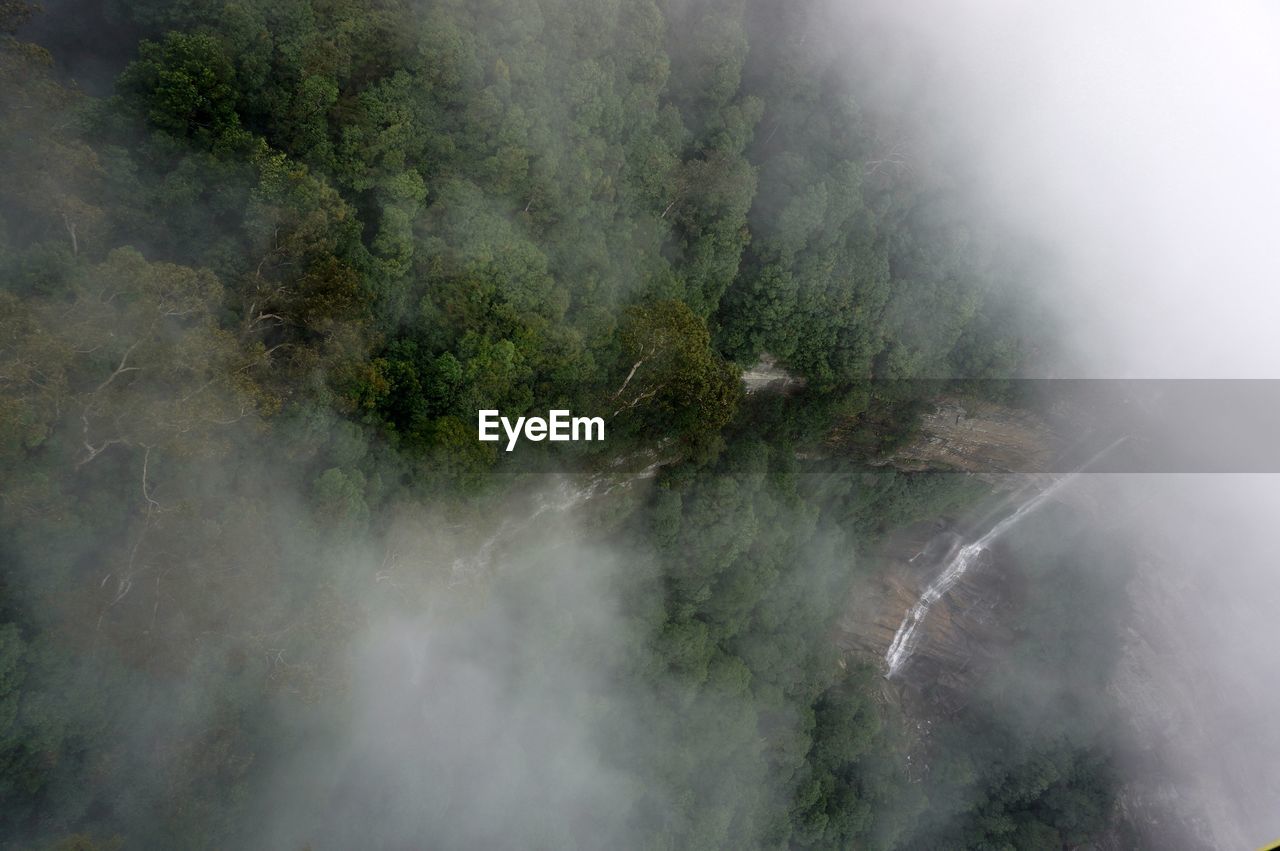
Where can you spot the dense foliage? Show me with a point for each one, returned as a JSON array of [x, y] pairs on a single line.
[[255, 292]]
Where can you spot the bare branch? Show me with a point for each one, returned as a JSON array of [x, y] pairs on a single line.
[[630, 375], [636, 401], [119, 369], [71, 230], [152, 505], [95, 451]]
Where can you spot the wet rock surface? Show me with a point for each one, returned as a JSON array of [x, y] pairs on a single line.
[[961, 631], [1173, 791]]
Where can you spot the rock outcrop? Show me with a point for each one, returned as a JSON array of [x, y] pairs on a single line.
[[767, 375], [1174, 792], [980, 437], [962, 629]]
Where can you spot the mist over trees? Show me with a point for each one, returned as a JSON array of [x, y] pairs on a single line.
[[260, 270]]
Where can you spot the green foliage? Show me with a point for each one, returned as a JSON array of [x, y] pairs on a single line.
[[251, 303], [186, 86], [669, 376]]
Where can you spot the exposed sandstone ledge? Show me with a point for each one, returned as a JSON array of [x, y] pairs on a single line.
[[768, 375], [979, 437]]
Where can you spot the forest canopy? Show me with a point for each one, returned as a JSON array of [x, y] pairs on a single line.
[[262, 263]]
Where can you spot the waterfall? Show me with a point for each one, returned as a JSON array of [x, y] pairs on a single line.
[[904, 641], [565, 497]]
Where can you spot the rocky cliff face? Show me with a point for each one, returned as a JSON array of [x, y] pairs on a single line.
[[1175, 791], [1172, 795], [980, 437], [960, 631], [1197, 735], [1166, 800]]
